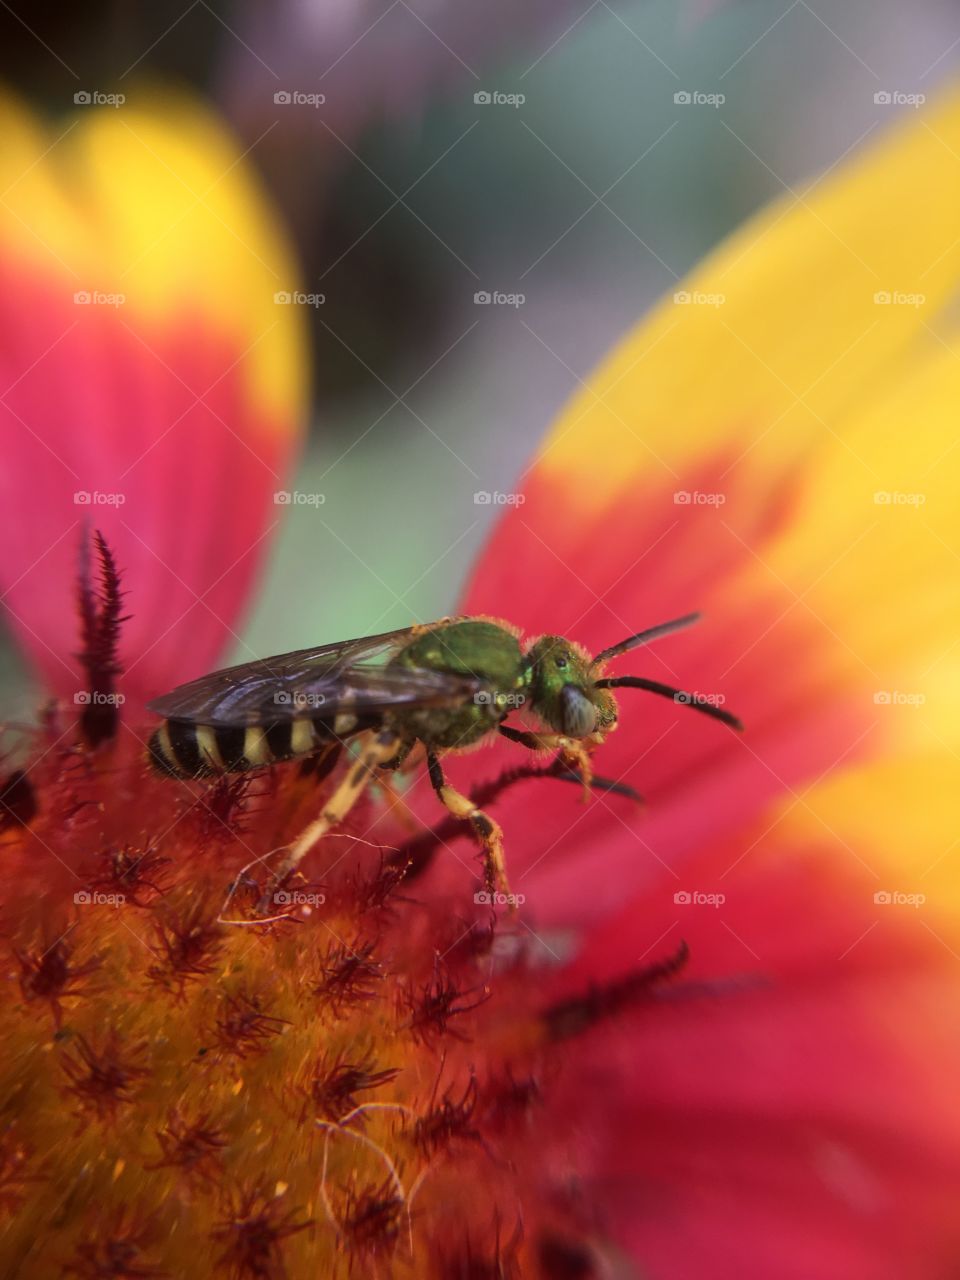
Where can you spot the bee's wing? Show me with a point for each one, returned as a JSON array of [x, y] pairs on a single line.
[[347, 676]]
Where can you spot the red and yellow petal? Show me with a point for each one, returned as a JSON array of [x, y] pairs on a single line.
[[776, 449], [151, 387], [788, 1108]]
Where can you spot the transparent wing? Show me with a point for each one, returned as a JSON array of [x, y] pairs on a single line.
[[347, 676]]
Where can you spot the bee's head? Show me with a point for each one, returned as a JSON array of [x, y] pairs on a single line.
[[563, 692], [570, 693]]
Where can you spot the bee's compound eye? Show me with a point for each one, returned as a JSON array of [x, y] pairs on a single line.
[[577, 712]]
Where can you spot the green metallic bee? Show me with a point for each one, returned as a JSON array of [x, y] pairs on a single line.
[[446, 686]]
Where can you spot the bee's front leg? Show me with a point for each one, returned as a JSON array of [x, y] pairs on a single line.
[[572, 751]]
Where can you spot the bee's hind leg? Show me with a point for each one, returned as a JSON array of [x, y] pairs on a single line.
[[376, 747], [487, 831]]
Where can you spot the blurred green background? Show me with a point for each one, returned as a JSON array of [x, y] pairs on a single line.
[[406, 197]]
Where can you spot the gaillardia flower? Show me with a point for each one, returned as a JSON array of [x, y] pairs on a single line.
[[720, 1037]]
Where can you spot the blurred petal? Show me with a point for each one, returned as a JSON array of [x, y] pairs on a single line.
[[788, 1120], [777, 449], [150, 385]]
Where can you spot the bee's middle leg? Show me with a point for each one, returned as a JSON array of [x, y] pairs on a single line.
[[487, 831]]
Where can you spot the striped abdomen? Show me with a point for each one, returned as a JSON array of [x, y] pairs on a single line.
[[188, 750]]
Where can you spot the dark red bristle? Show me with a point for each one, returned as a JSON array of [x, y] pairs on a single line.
[[336, 1087], [253, 1229], [104, 1079], [100, 626]]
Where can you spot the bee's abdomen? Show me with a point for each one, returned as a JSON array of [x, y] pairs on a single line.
[[182, 749]]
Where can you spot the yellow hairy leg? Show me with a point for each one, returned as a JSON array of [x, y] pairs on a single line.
[[486, 830], [572, 751], [376, 748]]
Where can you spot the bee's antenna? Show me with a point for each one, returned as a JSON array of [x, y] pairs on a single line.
[[644, 637], [692, 700]]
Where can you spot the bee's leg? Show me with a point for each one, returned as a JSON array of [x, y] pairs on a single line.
[[396, 801], [572, 751], [397, 760], [394, 798], [486, 830], [376, 746]]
